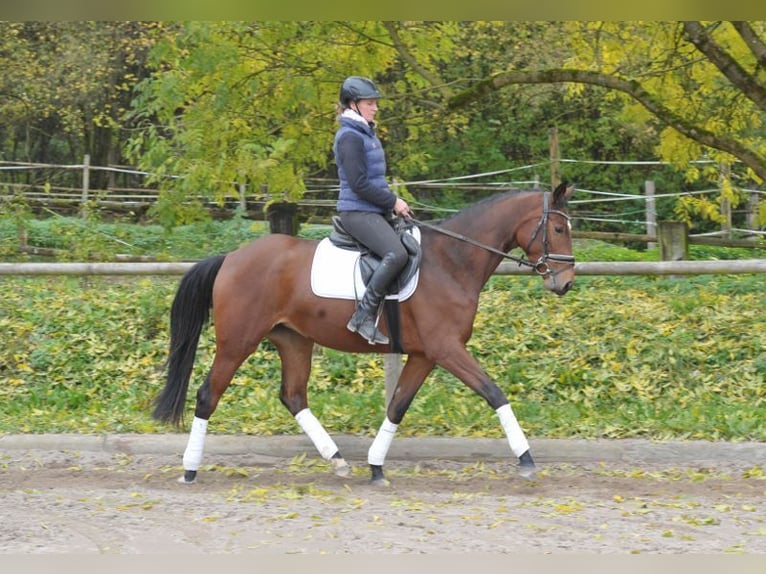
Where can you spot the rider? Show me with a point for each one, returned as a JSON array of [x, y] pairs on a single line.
[[365, 200]]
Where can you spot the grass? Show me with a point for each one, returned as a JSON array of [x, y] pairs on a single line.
[[614, 358], [643, 357]]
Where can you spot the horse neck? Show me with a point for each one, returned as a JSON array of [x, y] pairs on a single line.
[[495, 223]]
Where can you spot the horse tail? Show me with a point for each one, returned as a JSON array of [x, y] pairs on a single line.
[[189, 313]]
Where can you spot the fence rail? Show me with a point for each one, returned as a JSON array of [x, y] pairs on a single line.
[[737, 266], [129, 195], [393, 362]]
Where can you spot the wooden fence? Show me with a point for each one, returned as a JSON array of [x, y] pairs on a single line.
[[393, 362], [736, 266], [135, 198], [139, 199]]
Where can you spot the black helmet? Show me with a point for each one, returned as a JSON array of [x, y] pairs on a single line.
[[357, 88]]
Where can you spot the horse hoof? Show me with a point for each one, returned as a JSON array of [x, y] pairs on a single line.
[[378, 478], [189, 477], [340, 467], [380, 482], [526, 466], [527, 471]]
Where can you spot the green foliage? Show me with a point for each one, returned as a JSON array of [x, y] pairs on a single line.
[[245, 103], [656, 354], [616, 357], [208, 106], [594, 250], [89, 69], [684, 96], [79, 240], [216, 74]]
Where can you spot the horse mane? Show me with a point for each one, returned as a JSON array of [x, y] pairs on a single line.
[[481, 205]]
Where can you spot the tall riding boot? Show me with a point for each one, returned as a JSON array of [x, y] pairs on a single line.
[[363, 319]]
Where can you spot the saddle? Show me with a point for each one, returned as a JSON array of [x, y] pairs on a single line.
[[368, 261]]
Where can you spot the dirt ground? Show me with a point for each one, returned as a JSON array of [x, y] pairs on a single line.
[[98, 502]]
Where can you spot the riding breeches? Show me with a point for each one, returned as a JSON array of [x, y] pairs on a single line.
[[374, 232]]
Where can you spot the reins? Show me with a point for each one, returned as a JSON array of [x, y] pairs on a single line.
[[471, 241], [541, 267]]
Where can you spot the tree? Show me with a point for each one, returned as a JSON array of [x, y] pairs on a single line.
[[506, 128], [65, 86], [238, 103], [252, 103], [700, 84]]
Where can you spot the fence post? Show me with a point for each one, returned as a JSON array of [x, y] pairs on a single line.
[[651, 212], [392, 364], [555, 156], [724, 181], [85, 178], [22, 234], [752, 213], [242, 198], [283, 217], [674, 240]]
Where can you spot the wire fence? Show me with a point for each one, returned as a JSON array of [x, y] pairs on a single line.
[[128, 190]]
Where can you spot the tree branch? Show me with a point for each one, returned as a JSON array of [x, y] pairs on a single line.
[[632, 88], [728, 66], [757, 47], [407, 56]]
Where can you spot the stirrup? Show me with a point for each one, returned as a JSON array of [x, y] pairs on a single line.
[[377, 338], [374, 338]]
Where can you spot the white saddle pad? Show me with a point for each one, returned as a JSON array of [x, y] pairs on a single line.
[[335, 273]]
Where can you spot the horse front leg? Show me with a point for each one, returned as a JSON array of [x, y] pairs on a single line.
[[295, 352], [460, 363], [516, 440], [411, 379]]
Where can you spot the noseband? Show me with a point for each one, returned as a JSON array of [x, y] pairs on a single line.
[[541, 267]]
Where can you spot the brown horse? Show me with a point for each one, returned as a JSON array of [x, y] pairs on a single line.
[[263, 290]]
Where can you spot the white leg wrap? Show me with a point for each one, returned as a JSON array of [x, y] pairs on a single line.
[[196, 444], [379, 448], [516, 438], [316, 432]]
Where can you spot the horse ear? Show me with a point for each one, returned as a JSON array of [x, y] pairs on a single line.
[[562, 193]]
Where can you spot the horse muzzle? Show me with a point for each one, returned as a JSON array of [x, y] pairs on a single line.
[[558, 280]]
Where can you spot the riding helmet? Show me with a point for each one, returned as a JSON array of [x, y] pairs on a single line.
[[357, 88]]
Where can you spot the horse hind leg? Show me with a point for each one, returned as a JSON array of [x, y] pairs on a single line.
[[295, 352], [322, 441], [411, 379], [208, 395]]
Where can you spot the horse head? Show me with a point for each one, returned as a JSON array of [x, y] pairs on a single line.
[[549, 244]]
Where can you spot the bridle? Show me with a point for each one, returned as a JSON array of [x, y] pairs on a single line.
[[540, 267]]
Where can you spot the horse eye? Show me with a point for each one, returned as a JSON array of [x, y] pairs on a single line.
[[558, 229]]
